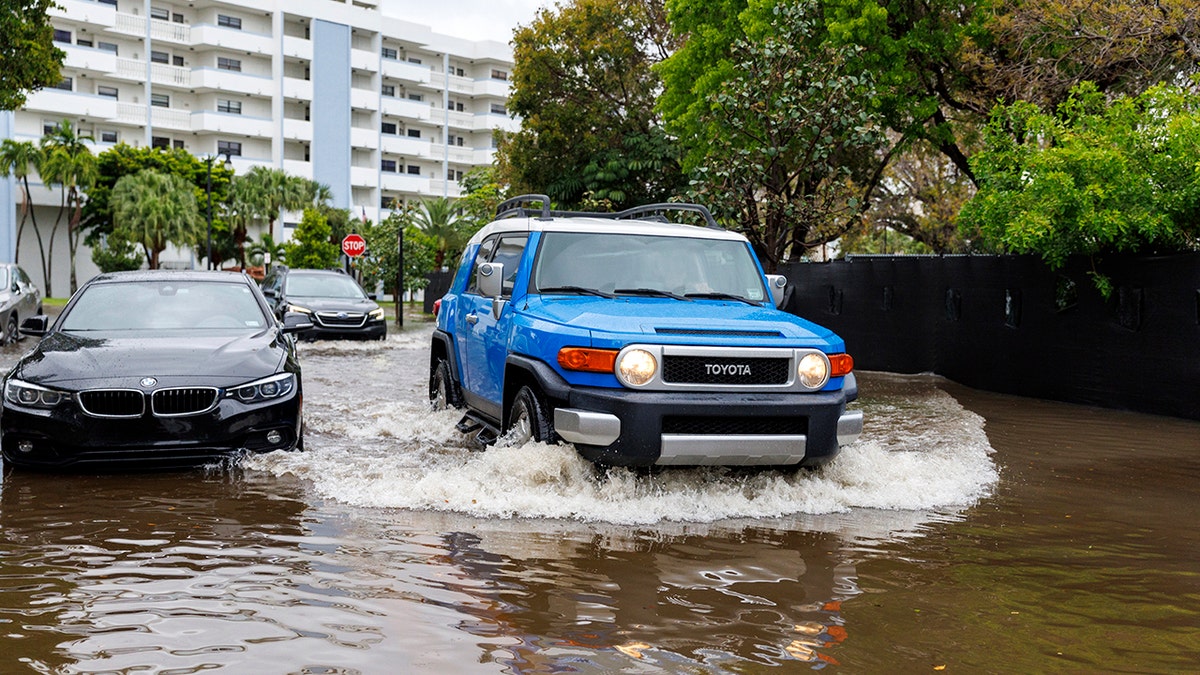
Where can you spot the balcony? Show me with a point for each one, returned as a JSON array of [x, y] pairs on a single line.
[[82, 11], [364, 139], [160, 73], [225, 123], [405, 71], [165, 31], [208, 35], [364, 176], [403, 182], [453, 83], [362, 99], [406, 147], [297, 48], [493, 88], [298, 167], [363, 60], [60, 103], [89, 59], [232, 82], [297, 130], [449, 188], [297, 89], [406, 108]]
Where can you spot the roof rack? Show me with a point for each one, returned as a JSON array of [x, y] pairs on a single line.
[[517, 208]]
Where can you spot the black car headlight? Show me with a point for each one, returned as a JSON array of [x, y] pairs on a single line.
[[25, 394], [297, 308], [275, 386]]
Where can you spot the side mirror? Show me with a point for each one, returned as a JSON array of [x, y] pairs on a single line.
[[489, 278], [777, 283], [372, 296], [269, 292], [36, 326], [295, 322]]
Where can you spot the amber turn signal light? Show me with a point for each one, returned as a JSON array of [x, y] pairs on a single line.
[[587, 360], [840, 365]]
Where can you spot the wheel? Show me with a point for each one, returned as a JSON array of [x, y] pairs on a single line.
[[11, 331], [529, 420], [443, 390]]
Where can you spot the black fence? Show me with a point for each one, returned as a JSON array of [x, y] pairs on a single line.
[[1009, 324]]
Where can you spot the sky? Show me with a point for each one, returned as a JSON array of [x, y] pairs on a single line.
[[469, 19]]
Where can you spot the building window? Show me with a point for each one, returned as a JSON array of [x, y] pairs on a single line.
[[389, 53], [160, 13], [458, 71], [227, 106], [456, 106], [413, 59], [229, 64], [416, 97], [229, 22], [388, 128], [110, 92], [178, 143], [108, 2], [387, 202], [160, 142], [83, 43], [107, 46], [231, 148], [387, 165], [177, 61], [160, 57], [67, 84], [456, 140], [388, 90], [176, 18], [414, 133], [414, 170], [48, 127], [108, 136], [499, 75], [498, 109], [160, 100], [61, 35]]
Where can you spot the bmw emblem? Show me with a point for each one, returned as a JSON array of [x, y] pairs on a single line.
[[148, 382]]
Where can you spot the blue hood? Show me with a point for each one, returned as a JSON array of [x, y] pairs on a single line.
[[679, 321]]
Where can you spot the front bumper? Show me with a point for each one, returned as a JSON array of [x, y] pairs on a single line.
[[623, 428], [371, 330], [66, 437]]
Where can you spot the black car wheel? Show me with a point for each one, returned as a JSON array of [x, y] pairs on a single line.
[[528, 420], [11, 330], [443, 390]]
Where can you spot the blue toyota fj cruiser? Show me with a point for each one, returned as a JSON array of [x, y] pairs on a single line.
[[641, 341]]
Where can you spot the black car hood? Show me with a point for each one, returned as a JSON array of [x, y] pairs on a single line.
[[335, 304], [115, 358]]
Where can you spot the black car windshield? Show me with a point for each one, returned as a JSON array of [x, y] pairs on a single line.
[[323, 286], [164, 305], [635, 264]]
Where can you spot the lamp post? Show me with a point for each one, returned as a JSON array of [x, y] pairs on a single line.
[[228, 163]]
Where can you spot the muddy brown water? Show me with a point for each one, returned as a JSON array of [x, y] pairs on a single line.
[[967, 532]]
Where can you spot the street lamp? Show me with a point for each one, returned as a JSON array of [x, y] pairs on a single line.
[[228, 164]]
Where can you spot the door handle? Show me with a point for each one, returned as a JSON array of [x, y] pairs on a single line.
[[472, 318]]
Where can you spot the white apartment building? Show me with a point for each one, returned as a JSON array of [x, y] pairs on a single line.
[[379, 109]]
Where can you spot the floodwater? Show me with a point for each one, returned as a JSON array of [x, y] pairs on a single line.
[[966, 532]]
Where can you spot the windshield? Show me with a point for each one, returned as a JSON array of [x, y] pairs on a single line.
[[617, 263], [164, 305], [323, 286]]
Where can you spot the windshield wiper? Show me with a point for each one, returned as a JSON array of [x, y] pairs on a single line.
[[576, 289], [723, 296], [649, 291]]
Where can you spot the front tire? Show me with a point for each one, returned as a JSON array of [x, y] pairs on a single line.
[[443, 390], [11, 330], [529, 420]]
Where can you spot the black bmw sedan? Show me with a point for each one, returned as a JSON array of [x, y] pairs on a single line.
[[156, 368]]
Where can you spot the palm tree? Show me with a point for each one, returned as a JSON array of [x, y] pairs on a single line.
[[266, 249], [16, 158], [68, 162], [439, 219], [155, 209], [262, 193]]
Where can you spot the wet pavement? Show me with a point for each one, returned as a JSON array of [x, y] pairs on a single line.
[[965, 532]]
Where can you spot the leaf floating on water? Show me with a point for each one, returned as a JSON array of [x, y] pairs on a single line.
[[633, 649]]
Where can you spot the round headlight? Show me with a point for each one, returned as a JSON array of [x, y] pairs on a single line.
[[268, 389], [813, 371], [247, 393], [637, 367], [27, 396]]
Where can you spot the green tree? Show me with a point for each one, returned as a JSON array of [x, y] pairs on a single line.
[[261, 194], [115, 253], [68, 162], [584, 88], [482, 192], [28, 57], [155, 209], [439, 219], [311, 246], [382, 259], [798, 139], [16, 159], [267, 249], [1091, 177]]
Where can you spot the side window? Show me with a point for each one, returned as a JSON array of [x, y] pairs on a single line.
[[508, 253], [484, 254]]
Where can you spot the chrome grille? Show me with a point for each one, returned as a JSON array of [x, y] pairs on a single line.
[[725, 370], [112, 402], [337, 320], [183, 401]]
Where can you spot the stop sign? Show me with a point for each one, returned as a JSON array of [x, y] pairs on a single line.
[[354, 245]]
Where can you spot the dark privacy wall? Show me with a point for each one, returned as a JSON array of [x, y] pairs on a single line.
[[1009, 324]]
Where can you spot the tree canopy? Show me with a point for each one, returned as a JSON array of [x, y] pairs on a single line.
[[155, 209], [28, 57]]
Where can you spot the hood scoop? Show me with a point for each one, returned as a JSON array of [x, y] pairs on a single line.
[[719, 333]]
